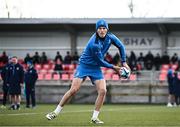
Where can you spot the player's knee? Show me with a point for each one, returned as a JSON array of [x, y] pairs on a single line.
[[73, 91], [102, 92]]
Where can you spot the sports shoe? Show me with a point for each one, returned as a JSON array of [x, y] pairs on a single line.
[[51, 115], [96, 121], [18, 107], [12, 107], [169, 105], [3, 107]]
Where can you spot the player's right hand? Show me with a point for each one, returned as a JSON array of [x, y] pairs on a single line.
[[116, 68]]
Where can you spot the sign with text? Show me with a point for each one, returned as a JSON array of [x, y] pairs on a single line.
[[141, 42]]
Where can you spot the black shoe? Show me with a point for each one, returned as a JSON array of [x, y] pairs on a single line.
[[12, 107], [18, 106], [27, 106]]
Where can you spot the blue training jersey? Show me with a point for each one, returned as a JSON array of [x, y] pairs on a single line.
[[96, 48]]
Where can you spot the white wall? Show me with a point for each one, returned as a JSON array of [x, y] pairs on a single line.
[[18, 43], [174, 43]]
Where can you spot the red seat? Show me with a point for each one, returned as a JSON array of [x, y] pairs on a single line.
[[165, 67], [40, 76], [43, 71], [56, 77], [107, 76], [162, 77], [48, 77], [65, 77], [115, 77], [133, 77], [174, 66], [71, 76], [71, 67], [46, 66], [38, 66], [109, 71]]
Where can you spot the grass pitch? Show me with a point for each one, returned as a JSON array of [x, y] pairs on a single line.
[[80, 115]]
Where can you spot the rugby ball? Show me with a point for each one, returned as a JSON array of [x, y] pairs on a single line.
[[124, 72]]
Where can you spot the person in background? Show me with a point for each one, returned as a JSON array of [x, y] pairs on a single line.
[[157, 62], [27, 58], [30, 79], [67, 58], [149, 61], [4, 58], [58, 67], [108, 58], [176, 89], [174, 59], [165, 58], [170, 80], [58, 56], [5, 87], [140, 60], [15, 78], [75, 58], [36, 58], [43, 58]]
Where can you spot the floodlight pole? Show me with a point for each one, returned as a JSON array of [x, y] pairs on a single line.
[[131, 7], [7, 8]]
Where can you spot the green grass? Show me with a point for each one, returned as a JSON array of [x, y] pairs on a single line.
[[79, 115]]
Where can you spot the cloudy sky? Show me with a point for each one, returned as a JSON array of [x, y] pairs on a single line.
[[89, 8]]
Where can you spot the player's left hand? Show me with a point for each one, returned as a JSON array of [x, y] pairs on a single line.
[[124, 64]]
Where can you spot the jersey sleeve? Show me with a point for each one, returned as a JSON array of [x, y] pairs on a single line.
[[116, 42], [97, 54]]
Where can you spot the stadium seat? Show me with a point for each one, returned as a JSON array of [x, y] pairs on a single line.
[[71, 67], [48, 76], [164, 72], [174, 66], [71, 76], [110, 71], [162, 77], [133, 77], [107, 76], [38, 66], [40, 76], [65, 77], [43, 71], [165, 67], [46, 66], [56, 77], [115, 77]]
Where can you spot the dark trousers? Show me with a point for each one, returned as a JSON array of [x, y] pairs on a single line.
[[5, 95], [177, 100], [30, 93]]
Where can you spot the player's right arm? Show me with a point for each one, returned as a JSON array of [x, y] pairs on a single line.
[[98, 56]]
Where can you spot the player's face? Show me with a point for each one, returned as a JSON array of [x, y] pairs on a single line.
[[14, 60], [102, 31]]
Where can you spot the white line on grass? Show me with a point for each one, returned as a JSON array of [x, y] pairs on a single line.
[[78, 111]]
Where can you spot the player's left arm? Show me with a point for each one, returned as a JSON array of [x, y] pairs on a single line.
[[116, 42], [99, 57]]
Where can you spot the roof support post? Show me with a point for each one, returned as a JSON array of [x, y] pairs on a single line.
[[164, 37]]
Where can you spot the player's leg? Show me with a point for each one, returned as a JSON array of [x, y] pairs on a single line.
[[101, 89], [18, 101], [76, 84], [33, 98], [5, 94], [27, 98], [13, 100]]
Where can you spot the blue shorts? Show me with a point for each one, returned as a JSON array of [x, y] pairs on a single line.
[[93, 72]]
